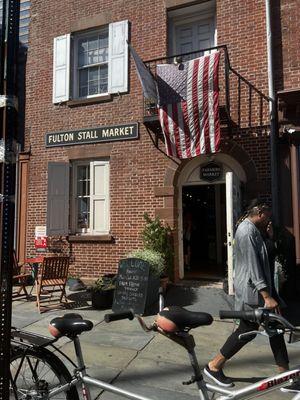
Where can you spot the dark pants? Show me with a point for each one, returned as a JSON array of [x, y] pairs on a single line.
[[233, 344]]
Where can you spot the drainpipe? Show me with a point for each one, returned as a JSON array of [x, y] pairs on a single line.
[[273, 116]]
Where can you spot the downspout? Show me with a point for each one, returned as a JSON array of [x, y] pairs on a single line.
[[273, 116]]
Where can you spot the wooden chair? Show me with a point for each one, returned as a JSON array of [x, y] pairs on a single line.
[[51, 283], [20, 277]]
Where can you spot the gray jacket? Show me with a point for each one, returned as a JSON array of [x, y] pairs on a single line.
[[251, 267]]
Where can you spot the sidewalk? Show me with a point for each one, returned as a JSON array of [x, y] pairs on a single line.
[[150, 364]]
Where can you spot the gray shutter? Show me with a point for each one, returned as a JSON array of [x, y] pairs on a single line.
[[61, 68], [58, 199], [118, 57]]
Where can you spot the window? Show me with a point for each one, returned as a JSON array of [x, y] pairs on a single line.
[[90, 197], [91, 64], [192, 28], [83, 206], [97, 61]]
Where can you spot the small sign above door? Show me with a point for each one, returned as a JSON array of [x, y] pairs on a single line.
[[211, 171]]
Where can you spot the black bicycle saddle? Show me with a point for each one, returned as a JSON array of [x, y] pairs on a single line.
[[175, 318], [69, 325]]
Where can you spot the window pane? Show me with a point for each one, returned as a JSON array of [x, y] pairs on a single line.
[[93, 43], [83, 83], [103, 78], [103, 47], [83, 180], [83, 196], [82, 52], [83, 216]]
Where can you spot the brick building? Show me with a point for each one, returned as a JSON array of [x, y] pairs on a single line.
[[92, 193]]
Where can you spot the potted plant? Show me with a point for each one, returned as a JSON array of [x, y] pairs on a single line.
[[102, 291], [158, 237]]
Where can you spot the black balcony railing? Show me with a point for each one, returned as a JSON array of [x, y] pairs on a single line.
[[241, 104]]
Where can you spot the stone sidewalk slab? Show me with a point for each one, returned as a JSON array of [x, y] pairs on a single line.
[[150, 364]]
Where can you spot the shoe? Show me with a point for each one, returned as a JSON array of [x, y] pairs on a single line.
[[218, 377], [293, 388]]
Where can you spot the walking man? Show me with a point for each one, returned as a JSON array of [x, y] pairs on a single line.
[[253, 288]]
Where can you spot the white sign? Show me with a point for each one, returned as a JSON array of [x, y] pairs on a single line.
[[40, 231]]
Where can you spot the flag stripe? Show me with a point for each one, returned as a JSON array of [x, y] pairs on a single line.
[[205, 105], [216, 102]]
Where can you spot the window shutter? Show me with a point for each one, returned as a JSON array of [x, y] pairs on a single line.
[[61, 68], [100, 196], [58, 199], [118, 57]]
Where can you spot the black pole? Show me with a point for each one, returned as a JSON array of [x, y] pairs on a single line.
[[8, 147]]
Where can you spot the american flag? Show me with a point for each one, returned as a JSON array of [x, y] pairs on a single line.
[[189, 106]]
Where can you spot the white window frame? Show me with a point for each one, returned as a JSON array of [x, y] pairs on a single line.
[[75, 83], [105, 197]]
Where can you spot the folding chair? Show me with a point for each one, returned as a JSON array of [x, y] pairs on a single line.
[[51, 283], [19, 277]]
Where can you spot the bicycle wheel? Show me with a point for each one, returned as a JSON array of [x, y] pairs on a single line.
[[34, 372]]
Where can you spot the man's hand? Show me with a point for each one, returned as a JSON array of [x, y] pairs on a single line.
[[270, 303]]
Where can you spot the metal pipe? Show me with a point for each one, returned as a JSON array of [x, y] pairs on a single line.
[[273, 119]]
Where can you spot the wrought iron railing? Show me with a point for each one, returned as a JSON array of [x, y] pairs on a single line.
[[241, 103]]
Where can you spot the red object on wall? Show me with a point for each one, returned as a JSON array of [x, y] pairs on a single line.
[[40, 242]]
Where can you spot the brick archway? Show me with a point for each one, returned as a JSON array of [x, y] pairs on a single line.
[[169, 192]]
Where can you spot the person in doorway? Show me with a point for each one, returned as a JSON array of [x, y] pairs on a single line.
[[187, 239], [253, 288]]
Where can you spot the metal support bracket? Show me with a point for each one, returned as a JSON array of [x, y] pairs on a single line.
[[8, 101]]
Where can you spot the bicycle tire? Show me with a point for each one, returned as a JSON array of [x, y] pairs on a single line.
[[34, 370]]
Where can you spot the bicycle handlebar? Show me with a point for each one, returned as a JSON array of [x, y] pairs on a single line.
[[259, 315], [118, 316], [246, 315]]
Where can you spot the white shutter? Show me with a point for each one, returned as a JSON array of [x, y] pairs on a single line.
[[61, 68], [99, 198], [118, 57], [233, 212]]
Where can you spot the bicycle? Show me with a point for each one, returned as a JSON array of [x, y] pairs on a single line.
[[37, 373]]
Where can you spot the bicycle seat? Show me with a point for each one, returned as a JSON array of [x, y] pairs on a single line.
[[175, 319], [69, 325]]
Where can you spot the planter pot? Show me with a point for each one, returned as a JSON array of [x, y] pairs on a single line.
[[72, 281], [102, 299]]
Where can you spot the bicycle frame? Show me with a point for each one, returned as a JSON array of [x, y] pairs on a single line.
[[254, 390]]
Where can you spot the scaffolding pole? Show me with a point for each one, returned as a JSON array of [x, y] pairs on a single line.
[[8, 147]]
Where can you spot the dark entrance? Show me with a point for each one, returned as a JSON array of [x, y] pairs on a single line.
[[204, 231]]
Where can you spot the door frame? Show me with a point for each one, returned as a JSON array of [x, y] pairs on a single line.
[[190, 176]]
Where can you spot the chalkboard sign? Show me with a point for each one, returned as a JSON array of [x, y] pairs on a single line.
[[131, 285]]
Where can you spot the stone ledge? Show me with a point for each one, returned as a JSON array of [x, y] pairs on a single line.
[[91, 238], [92, 100]]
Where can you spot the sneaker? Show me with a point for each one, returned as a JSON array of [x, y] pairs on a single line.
[[293, 388], [218, 377]]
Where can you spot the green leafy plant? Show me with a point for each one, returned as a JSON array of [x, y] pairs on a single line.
[[105, 282], [158, 237], [154, 258]]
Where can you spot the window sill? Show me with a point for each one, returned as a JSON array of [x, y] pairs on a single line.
[[91, 238], [92, 100]]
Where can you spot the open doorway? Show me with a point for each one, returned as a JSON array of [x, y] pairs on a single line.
[[204, 231]]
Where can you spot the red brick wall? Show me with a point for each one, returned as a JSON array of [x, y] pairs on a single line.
[[286, 16], [137, 168]]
